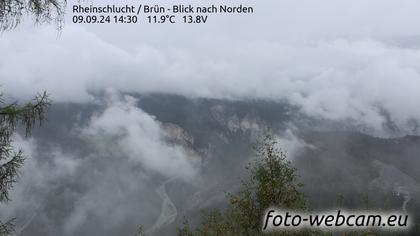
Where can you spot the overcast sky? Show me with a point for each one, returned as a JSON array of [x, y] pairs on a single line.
[[334, 58]]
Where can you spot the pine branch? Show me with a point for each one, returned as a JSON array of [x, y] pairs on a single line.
[[28, 114], [43, 11], [10, 116], [7, 228], [9, 174]]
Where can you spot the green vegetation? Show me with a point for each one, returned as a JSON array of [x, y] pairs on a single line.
[[11, 116], [273, 182], [43, 11]]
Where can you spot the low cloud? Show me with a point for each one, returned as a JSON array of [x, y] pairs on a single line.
[[367, 81], [109, 181], [138, 136], [289, 143]]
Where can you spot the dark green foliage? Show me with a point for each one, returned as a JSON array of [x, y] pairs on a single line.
[[43, 11], [140, 231], [6, 228], [12, 115], [8, 173], [273, 182]]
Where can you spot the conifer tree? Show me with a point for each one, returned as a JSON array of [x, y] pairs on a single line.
[[42, 11], [13, 116]]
